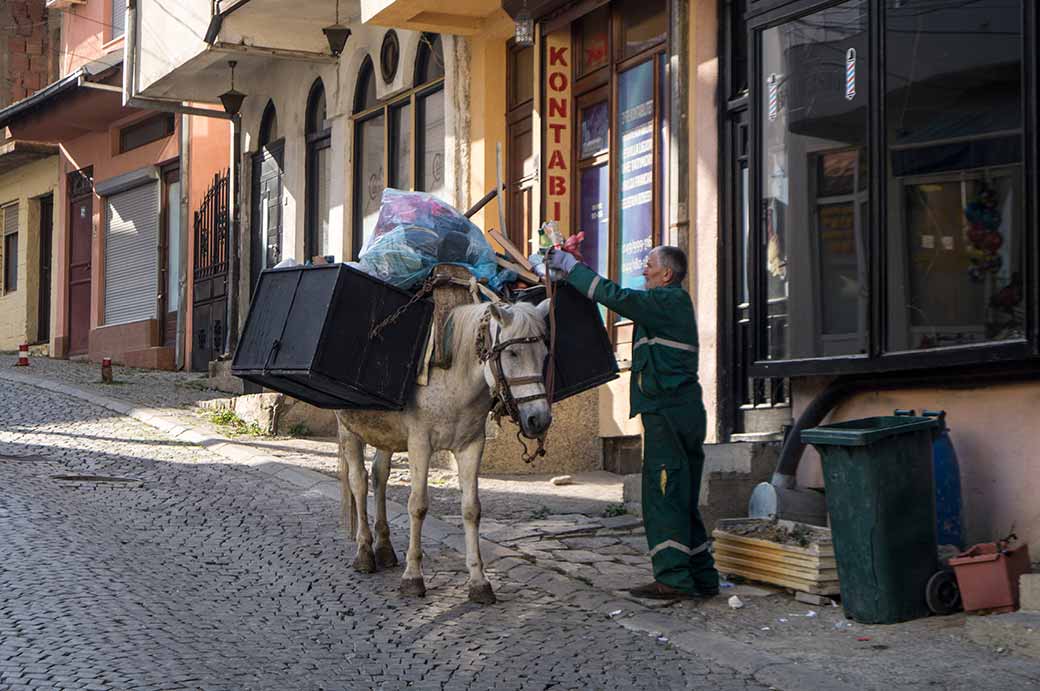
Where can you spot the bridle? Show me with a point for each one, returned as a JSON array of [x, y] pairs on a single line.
[[489, 350]]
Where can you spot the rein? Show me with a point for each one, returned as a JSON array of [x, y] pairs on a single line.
[[490, 350]]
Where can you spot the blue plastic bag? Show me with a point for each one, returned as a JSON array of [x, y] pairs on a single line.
[[417, 231]]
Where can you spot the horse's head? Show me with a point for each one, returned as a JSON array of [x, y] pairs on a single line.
[[518, 334]]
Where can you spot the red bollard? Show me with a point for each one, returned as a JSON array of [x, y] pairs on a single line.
[[23, 355], [106, 370]]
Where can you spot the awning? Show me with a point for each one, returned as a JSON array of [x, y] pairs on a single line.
[[87, 100], [15, 153]]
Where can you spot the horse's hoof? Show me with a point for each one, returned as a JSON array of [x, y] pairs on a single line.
[[386, 558], [482, 594], [415, 587], [365, 561]]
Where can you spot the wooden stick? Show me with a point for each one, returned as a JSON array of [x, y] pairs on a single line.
[[523, 273], [511, 249]]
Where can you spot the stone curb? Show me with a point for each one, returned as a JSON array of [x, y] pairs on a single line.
[[768, 669]]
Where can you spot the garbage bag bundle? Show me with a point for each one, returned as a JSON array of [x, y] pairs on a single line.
[[416, 231]]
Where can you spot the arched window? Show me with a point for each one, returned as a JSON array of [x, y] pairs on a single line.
[[319, 172], [429, 62], [429, 115], [269, 126], [400, 142], [369, 155]]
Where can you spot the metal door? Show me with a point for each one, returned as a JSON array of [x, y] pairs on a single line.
[[132, 255], [209, 273], [81, 226], [266, 230]]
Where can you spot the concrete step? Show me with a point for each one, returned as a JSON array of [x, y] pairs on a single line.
[[1017, 632], [1029, 592], [731, 472]]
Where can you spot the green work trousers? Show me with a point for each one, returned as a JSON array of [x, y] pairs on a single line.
[[673, 460]]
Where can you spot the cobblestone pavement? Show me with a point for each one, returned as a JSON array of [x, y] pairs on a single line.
[[561, 543], [130, 561]]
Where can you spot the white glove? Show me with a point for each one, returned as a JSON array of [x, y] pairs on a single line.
[[561, 261], [540, 270]]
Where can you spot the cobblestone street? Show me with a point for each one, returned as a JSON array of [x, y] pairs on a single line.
[[142, 548], [181, 572]]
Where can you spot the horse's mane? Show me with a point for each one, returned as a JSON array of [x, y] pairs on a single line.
[[466, 320]]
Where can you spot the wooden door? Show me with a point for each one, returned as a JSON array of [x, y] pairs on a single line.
[[81, 222], [266, 231], [43, 300]]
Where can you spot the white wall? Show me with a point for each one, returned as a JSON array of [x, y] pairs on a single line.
[[287, 84], [170, 35]]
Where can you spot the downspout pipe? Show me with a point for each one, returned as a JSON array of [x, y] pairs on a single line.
[[841, 389], [130, 97]]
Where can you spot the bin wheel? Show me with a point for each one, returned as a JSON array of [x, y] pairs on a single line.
[[942, 594]]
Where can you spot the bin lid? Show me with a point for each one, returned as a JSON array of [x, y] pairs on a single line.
[[867, 430]]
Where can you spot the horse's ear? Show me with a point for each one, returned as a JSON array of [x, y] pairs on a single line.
[[543, 309], [501, 313]]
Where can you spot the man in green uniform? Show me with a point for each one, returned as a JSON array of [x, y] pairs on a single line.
[[666, 392]]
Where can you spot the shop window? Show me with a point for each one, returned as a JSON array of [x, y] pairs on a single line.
[[941, 231], [319, 172], [146, 131], [398, 143], [954, 183], [10, 256], [620, 138]]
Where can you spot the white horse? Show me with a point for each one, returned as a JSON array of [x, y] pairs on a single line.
[[498, 351]]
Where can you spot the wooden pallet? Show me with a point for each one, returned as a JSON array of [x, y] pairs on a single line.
[[811, 569]]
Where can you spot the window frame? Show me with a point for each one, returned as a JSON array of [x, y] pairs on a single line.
[[315, 140], [5, 234], [877, 358], [168, 120], [605, 79], [411, 97]]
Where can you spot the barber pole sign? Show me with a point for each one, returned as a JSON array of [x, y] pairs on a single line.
[[774, 97], [850, 74]]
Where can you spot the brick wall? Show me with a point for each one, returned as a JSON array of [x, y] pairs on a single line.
[[28, 49]]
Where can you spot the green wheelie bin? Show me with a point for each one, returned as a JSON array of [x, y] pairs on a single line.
[[881, 500]]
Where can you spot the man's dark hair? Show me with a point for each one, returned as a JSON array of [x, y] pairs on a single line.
[[673, 258]]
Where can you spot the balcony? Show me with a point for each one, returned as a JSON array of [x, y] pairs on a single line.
[[461, 17], [182, 55], [63, 4]]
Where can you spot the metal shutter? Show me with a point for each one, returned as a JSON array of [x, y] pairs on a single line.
[[132, 254], [118, 18]]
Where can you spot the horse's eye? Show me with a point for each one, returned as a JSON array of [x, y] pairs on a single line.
[[511, 354]]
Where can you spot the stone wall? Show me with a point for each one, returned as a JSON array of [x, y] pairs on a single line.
[[29, 46], [573, 444]]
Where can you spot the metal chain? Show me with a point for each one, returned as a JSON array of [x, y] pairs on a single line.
[[424, 290]]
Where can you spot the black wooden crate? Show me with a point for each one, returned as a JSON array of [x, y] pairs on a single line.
[[307, 335], [584, 355]]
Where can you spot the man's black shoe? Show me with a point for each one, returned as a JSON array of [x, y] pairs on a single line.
[[660, 591]]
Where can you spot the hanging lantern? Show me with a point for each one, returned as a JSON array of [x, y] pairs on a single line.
[[524, 27], [336, 35], [232, 99]]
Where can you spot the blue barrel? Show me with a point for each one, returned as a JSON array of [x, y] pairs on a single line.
[[947, 472], [947, 485]]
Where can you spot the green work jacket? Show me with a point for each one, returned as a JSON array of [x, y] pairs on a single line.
[[664, 353]]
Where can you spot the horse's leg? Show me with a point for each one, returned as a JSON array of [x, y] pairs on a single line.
[[352, 455], [468, 458], [385, 557], [348, 513], [418, 503]]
